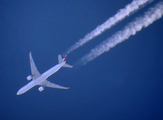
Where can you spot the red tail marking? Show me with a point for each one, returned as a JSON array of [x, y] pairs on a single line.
[[64, 57]]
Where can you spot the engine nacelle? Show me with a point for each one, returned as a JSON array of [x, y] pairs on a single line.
[[41, 89], [29, 77]]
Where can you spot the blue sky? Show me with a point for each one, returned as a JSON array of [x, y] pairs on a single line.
[[122, 84]]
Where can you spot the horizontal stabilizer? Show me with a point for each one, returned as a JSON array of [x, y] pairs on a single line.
[[67, 65], [60, 60]]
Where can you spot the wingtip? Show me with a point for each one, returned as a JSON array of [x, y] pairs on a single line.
[[67, 88]]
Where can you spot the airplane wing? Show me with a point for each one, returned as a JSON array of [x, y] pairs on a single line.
[[52, 85], [34, 71]]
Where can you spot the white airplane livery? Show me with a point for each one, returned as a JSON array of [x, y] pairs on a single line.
[[41, 79]]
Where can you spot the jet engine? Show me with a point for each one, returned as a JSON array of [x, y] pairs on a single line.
[[29, 77], [41, 89]]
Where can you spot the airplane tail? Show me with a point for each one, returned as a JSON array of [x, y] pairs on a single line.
[[61, 60]]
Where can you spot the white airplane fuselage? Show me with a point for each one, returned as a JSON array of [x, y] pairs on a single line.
[[41, 79]]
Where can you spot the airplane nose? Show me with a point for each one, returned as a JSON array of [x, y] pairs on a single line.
[[18, 93]]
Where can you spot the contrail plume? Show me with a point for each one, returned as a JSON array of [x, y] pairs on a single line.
[[121, 14], [132, 28]]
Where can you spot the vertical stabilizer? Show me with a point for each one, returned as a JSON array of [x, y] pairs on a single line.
[[60, 59]]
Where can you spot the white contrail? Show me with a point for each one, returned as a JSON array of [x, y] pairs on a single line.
[[122, 13], [149, 17]]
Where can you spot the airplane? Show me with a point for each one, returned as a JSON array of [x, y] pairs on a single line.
[[41, 79]]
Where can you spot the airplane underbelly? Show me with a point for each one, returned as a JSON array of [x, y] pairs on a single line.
[[52, 70], [27, 87]]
